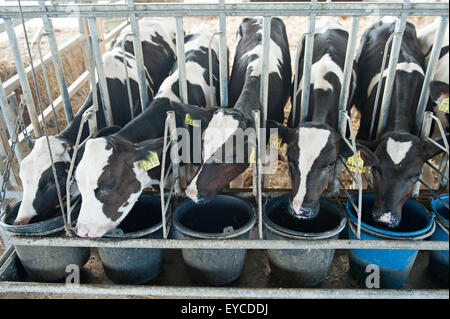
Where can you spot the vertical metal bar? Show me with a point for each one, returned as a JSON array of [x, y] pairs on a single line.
[[426, 130], [8, 117], [431, 70], [181, 61], [31, 107], [210, 68], [182, 77], [137, 45], [127, 78], [91, 65], [343, 98], [393, 59], [162, 179], [47, 85], [104, 93], [59, 71], [309, 44], [223, 60], [12, 109], [294, 98], [175, 160], [257, 166], [263, 97]]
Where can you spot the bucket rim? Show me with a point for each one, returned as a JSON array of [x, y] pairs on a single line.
[[201, 235], [285, 232], [118, 233], [28, 229], [434, 202], [389, 233]]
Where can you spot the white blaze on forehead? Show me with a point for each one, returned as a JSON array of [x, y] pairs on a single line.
[[311, 141], [318, 71], [219, 130], [33, 166], [397, 150], [404, 66]]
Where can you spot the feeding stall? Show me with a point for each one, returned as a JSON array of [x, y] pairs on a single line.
[[280, 245]]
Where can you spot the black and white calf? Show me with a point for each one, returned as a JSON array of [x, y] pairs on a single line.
[[398, 155], [39, 189], [219, 168], [314, 145], [110, 175], [197, 70]]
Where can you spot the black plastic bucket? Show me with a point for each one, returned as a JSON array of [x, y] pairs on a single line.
[[45, 263], [225, 217], [136, 265], [301, 267]]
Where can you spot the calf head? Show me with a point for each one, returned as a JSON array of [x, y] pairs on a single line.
[[312, 151], [40, 197], [397, 165], [110, 177], [227, 138]]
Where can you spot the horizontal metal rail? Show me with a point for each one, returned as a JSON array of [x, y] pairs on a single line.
[[230, 244], [222, 292], [229, 9]]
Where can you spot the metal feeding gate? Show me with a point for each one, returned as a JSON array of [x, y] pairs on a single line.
[[87, 13]]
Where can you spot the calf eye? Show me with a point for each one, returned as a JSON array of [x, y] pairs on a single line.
[[331, 165], [110, 185]]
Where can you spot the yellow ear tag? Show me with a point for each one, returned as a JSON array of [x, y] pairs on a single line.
[[275, 141], [351, 163], [444, 105], [190, 121], [252, 156], [437, 157], [150, 161]]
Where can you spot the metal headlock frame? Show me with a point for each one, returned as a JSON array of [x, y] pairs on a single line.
[[221, 9]]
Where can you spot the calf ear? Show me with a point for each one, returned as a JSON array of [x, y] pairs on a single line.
[[430, 149], [143, 149], [438, 91], [195, 112], [368, 156], [284, 132]]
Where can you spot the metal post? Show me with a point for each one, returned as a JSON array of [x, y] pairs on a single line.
[[263, 97], [431, 70], [210, 67], [343, 98], [181, 61], [31, 107], [223, 60], [12, 109], [100, 71], [393, 59], [59, 71], [175, 160], [47, 85], [127, 77], [137, 45], [306, 76], [425, 132], [257, 169]]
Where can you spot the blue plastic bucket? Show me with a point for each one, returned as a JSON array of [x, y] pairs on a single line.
[[394, 264], [225, 217], [136, 265], [301, 267], [439, 258]]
